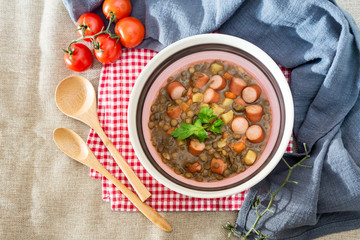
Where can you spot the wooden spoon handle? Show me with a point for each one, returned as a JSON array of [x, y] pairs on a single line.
[[148, 211], [138, 186]]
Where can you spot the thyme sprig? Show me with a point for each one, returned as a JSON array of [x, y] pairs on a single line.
[[231, 228]]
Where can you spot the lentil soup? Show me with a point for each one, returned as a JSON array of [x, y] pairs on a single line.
[[237, 106]]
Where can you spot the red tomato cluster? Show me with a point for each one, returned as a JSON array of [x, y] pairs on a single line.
[[106, 46]]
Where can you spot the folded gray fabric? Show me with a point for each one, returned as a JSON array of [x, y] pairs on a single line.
[[320, 43]]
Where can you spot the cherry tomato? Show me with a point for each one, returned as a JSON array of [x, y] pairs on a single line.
[[90, 23], [121, 8], [106, 50], [131, 31], [80, 59]]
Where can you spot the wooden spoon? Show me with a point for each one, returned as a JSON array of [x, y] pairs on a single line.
[[73, 146], [75, 96]]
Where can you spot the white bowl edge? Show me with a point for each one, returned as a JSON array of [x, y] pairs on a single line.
[[206, 39]]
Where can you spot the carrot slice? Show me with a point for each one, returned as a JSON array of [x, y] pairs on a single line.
[[189, 93], [225, 135], [227, 76], [239, 146], [230, 95], [170, 130]]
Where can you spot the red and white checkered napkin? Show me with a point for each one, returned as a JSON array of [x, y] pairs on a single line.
[[116, 82]]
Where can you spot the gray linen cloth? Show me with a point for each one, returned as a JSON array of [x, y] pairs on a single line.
[[320, 43]]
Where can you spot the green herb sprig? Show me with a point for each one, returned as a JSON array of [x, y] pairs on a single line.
[[257, 202], [198, 129]]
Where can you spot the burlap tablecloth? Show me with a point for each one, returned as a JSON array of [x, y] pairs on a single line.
[[44, 194]]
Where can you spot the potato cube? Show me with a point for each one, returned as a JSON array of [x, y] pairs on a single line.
[[250, 157], [197, 97], [217, 110], [178, 101], [216, 67], [180, 142], [221, 143], [202, 105], [184, 106], [227, 102], [227, 117], [241, 70]]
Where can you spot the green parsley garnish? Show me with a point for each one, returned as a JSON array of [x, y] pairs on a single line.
[[215, 127], [198, 128], [206, 114]]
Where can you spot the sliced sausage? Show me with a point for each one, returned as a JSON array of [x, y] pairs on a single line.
[[255, 134], [173, 111], [237, 85], [175, 90], [239, 125], [240, 101], [254, 112], [199, 79], [251, 93], [217, 82], [196, 147], [195, 167], [211, 96], [239, 105], [218, 166]]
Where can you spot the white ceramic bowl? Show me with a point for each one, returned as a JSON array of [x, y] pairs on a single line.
[[211, 47]]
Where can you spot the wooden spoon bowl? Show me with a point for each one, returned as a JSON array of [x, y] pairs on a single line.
[[76, 97], [72, 145]]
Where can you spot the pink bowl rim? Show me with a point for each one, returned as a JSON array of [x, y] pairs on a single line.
[[194, 41]]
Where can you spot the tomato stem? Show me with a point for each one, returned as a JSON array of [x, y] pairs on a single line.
[[83, 28], [111, 19]]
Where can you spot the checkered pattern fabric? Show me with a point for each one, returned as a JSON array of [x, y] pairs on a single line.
[[116, 82]]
